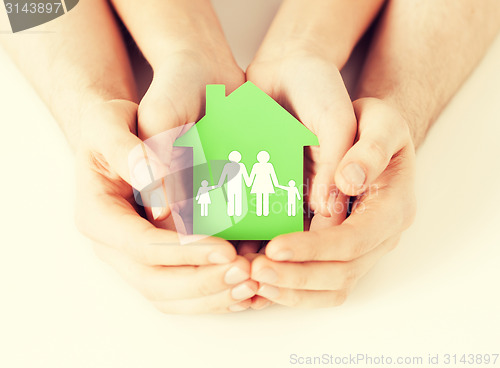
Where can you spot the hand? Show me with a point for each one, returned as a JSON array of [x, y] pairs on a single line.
[[318, 268], [202, 276], [177, 96], [309, 85]]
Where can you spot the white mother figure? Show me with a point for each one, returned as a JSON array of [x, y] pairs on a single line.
[[263, 180]]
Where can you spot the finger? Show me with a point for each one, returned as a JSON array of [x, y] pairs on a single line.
[[181, 282], [113, 221], [318, 275], [222, 302], [218, 303], [362, 231], [382, 133], [303, 298], [327, 110]]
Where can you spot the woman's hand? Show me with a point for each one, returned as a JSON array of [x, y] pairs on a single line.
[[310, 87], [185, 45], [177, 97], [318, 268], [203, 276]]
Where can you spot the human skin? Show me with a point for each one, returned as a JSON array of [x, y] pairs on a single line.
[[184, 44], [99, 96], [84, 76], [403, 88], [298, 65]]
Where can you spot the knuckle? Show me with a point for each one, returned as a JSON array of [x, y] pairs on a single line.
[[354, 250], [294, 299], [349, 275], [376, 152], [184, 256], [206, 286], [139, 252], [301, 280], [314, 252]]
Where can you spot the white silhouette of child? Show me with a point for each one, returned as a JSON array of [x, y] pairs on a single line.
[[203, 197], [293, 193]]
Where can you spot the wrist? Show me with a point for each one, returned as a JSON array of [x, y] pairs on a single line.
[[416, 119], [292, 41], [330, 29], [176, 27], [412, 120]]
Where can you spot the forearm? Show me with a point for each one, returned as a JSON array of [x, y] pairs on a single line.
[[74, 62], [422, 53], [163, 28], [328, 28]]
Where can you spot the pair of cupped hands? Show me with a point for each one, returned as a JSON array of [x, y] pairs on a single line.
[[365, 151]]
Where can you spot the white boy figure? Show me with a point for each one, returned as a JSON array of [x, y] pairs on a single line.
[[203, 197], [293, 193]]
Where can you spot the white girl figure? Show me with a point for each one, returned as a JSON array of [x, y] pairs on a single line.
[[264, 183], [203, 197], [293, 195]]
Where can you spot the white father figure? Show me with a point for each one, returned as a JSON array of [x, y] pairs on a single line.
[[234, 171]]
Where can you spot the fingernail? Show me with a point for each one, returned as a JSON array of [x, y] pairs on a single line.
[[354, 174], [282, 255], [268, 291], [266, 275], [235, 275], [156, 211], [242, 292], [237, 308], [218, 258]]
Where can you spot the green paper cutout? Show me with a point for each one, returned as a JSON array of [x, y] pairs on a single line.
[[247, 121]]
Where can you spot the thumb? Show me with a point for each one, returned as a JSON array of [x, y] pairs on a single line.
[[331, 117], [382, 132]]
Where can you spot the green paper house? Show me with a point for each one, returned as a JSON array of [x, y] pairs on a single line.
[[248, 155]]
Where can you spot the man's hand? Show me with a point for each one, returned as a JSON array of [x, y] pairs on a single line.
[[203, 276], [318, 268]]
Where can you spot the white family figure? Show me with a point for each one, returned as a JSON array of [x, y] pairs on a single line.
[[293, 194], [203, 197], [262, 179], [234, 171]]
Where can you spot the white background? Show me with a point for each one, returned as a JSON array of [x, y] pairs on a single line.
[[436, 293]]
